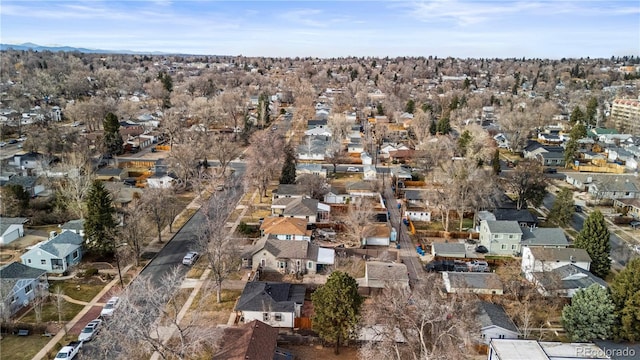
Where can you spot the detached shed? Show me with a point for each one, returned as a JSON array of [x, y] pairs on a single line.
[[450, 250]]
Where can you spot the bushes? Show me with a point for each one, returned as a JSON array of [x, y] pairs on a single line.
[[13, 327], [249, 230], [90, 272]]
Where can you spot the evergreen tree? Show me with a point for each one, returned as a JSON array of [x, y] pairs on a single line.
[[463, 141], [577, 116], [495, 162], [570, 150], [594, 238], [379, 109], [337, 308], [590, 315], [592, 111], [288, 175], [443, 126], [20, 196], [578, 131], [563, 208], [100, 223], [433, 128], [113, 143], [625, 292], [410, 107]]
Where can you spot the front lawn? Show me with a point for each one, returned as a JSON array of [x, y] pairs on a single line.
[[79, 289], [50, 311], [21, 347]]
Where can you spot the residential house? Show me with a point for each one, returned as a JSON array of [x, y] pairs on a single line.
[[75, 226], [30, 184], [317, 123], [57, 254], [335, 196], [30, 160], [547, 155], [319, 132], [19, 286], [276, 304], [355, 146], [448, 250], [524, 217], [111, 174], [160, 181], [11, 229], [630, 206], [501, 237], [369, 173], [495, 323], [254, 340], [472, 282], [565, 281], [288, 257], [544, 237], [288, 191], [377, 234], [311, 169], [285, 228], [380, 275], [417, 214], [313, 148], [537, 259], [366, 158], [401, 155], [513, 349], [605, 186], [302, 208]]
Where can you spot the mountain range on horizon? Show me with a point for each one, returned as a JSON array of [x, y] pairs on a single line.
[[57, 48]]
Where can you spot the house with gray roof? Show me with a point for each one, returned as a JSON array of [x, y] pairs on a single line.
[[275, 304], [311, 169], [605, 186], [524, 217], [11, 229], [288, 191], [75, 226], [300, 207], [455, 250], [495, 323], [288, 257], [313, 148], [536, 259], [565, 281], [19, 286], [472, 283], [57, 254], [30, 184], [544, 237], [501, 237], [379, 275]]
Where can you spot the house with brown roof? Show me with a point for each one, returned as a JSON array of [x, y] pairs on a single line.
[[285, 228], [251, 341], [302, 208], [377, 234], [288, 257]]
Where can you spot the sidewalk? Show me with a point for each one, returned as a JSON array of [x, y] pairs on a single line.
[[94, 302]]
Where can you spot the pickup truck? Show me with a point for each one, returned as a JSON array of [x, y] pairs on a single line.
[[70, 351]]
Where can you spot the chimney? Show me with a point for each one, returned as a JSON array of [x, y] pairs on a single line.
[[572, 259]]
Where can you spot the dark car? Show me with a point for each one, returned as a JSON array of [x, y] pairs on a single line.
[[440, 265], [13, 141], [550, 170], [482, 249]]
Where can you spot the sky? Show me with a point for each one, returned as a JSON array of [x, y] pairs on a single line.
[[458, 28]]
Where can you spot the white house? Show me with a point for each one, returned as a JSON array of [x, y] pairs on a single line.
[[288, 257], [537, 259], [377, 234], [418, 214], [366, 158], [11, 229], [501, 349], [311, 169], [75, 226], [275, 304], [369, 172], [495, 323], [160, 181], [472, 283]]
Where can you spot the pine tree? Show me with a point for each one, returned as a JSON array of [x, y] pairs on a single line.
[[100, 223], [594, 238], [563, 208], [590, 315], [443, 126], [288, 175], [577, 116], [433, 128], [337, 308], [625, 292], [410, 107], [495, 162], [113, 143], [592, 111]]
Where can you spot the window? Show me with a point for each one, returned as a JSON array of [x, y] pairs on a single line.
[[503, 246], [495, 236], [28, 288], [514, 246], [287, 237], [511, 236], [310, 265], [76, 254], [265, 316], [43, 262], [282, 264], [28, 261], [13, 299], [277, 317]]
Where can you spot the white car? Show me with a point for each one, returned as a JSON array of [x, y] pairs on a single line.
[[90, 330], [110, 307], [3, 144], [190, 258], [352, 169]]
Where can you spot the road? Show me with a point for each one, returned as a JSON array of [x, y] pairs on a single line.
[[407, 252]]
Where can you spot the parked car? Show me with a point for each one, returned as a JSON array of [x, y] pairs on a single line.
[[482, 249], [550, 170], [3, 144], [90, 330], [70, 351], [13, 141], [352, 169], [190, 258], [110, 307]]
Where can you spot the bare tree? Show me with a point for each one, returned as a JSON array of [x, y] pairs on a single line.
[[420, 324], [526, 183], [60, 306], [359, 220], [224, 150], [154, 204], [74, 187], [146, 313], [264, 160], [134, 232], [314, 185], [218, 250]]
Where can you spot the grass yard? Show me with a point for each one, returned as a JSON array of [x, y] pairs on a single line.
[[196, 271], [183, 218], [50, 312], [208, 301], [86, 292], [21, 347]]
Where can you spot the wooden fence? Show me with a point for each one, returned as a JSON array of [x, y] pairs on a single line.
[[302, 323]]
